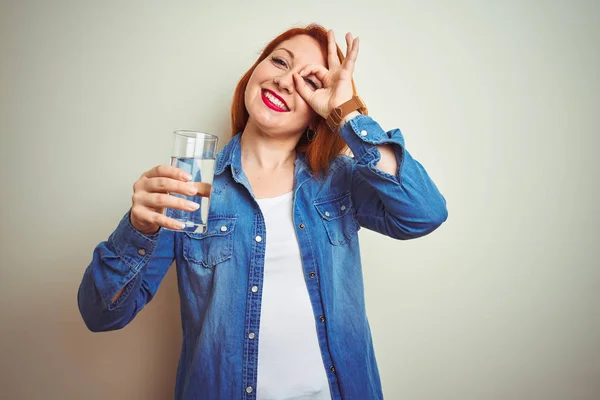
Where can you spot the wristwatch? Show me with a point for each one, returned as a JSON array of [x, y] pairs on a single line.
[[354, 104]]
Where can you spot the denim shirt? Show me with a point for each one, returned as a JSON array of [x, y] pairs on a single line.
[[220, 272]]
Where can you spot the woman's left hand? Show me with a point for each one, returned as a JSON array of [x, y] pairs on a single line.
[[337, 80]]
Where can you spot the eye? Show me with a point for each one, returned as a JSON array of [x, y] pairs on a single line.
[[311, 83], [279, 61]]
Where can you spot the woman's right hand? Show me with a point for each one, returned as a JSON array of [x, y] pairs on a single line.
[[151, 197]]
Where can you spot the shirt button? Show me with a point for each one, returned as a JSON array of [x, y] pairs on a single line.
[[327, 213], [249, 389], [251, 335], [258, 239], [312, 274], [254, 289], [363, 133], [142, 252], [343, 208], [235, 170], [332, 368], [322, 318], [223, 228], [301, 226]]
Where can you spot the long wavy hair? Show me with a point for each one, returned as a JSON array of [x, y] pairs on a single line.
[[326, 144]]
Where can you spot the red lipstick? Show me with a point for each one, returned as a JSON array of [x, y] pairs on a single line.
[[270, 104]]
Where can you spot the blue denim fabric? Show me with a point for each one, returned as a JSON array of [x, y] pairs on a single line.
[[220, 272]]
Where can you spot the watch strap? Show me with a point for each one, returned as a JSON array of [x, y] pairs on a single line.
[[338, 113]]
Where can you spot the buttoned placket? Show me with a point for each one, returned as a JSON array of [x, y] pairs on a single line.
[[253, 296], [310, 269], [253, 305]]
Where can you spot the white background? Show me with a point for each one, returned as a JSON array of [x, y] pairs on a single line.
[[499, 100]]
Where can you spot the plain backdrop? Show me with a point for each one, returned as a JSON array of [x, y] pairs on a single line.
[[499, 100]]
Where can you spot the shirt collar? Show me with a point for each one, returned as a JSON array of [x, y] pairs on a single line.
[[230, 152]]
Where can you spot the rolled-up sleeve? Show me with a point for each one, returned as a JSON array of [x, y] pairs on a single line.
[[127, 259], [403, 206]]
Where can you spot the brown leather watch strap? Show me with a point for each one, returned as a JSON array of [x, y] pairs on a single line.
[[336, 115]]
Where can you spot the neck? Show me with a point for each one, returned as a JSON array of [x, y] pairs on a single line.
[[265, 151]]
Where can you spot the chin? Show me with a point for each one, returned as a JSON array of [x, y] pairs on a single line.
[[269, 128], [271, 122]]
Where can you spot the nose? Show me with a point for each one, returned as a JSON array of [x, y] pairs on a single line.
[[285, 82]]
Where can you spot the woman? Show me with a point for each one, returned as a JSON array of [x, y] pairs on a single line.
[[272, 299]]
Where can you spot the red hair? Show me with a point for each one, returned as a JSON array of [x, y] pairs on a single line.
[[326, 144]]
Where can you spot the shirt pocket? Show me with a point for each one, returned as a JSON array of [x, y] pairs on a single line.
[[338, 217], [212, 247]]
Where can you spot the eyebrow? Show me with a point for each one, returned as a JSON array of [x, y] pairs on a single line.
[[289, 52]]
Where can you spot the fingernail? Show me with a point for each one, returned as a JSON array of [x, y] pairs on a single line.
[[192, 189], [187, 176], [180, 225], [193, 206]]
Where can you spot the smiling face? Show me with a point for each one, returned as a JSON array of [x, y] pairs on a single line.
[[274, 106]]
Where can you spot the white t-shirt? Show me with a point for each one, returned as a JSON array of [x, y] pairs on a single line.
[[290, 366]]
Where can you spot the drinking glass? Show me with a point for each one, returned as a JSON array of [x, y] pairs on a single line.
[[194, 152]]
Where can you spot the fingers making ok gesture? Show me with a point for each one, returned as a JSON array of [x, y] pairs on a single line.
[[337, 79]]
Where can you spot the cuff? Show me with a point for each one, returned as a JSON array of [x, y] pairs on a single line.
[[362, 135], [132, 246]]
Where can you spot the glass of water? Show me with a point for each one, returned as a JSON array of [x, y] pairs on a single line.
[[194, 152]]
